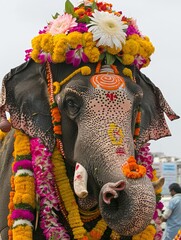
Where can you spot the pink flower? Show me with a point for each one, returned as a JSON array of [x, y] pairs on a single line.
[[25, 164], [28, 53], [155, 215], [158, 235], [159, 205], [43, 57], [133, 28], [81, 27], [145, 158], [43, 170], [22, 214], [61, 24], [139, 61], [75, 56]]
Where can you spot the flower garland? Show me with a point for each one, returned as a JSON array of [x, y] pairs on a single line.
[[145, 158], [53, 165], [91, 32], [69, 200], [147, 234], [22, 196], [42, 166]]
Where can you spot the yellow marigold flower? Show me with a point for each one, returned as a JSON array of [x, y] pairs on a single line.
[[59, 50], [35, 42], [147, 38], [131, 47], [147, 63], [80, 11], [46, 42], [142, 52], [149, 48], [147, 234], [29, 199], [34, 55], [88, 40], [22, 144], [58, 58], [92, 53], [74, 39], [128, 72], [17, 198], [113, 51], [134, 36], [22, 232], [60, 44], [155, 178], [24, 198], [146, 48], [24, 179], [127, 59], [59, 37]]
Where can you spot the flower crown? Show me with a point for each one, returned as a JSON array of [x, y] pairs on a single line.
[[91, 32]]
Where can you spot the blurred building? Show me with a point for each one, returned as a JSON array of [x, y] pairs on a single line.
[[169, 167]]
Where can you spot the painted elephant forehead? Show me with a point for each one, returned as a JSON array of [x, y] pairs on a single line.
[[111, 103], [107, 81]]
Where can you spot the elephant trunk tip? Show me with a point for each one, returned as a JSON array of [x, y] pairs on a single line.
[[110, 190]]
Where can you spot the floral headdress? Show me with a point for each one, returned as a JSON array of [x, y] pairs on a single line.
[[91, 32]]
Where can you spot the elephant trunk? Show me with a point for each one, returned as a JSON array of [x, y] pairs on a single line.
[[127, 206]]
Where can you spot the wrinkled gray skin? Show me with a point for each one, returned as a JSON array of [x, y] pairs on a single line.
[[126, 205]]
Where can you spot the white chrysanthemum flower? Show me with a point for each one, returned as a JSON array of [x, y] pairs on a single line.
[[107, 29]]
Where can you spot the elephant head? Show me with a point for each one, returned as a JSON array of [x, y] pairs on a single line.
[[98, 121]]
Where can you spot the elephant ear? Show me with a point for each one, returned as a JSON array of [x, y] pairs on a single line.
[[24, 95], [153, 106]]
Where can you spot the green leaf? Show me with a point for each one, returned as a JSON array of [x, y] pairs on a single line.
[[94, 6], [102, 56], [119, 59], [55, 16], [69, 7], [110, 59], [85, 19]]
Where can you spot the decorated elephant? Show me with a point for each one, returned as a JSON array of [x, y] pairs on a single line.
[[81, 114]]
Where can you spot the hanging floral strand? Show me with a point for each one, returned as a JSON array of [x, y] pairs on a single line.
[[22, 201], [42, 166]]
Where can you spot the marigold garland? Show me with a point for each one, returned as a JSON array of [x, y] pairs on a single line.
[[74, 217], [22, 196], [55, 113], [147, 234], [67, 195], [137, 125]]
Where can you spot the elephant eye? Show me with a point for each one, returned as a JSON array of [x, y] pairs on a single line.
[[72, 106]]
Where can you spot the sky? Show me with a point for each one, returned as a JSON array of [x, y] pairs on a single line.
[[160, 20]]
